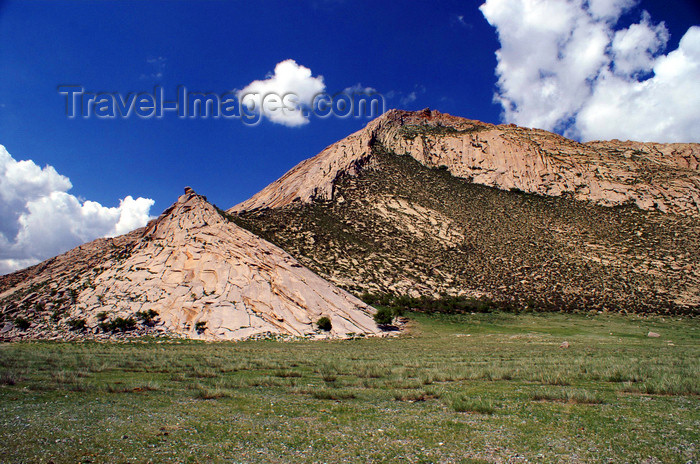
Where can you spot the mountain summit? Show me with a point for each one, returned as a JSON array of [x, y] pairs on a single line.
[[192, 273], [653, 176]]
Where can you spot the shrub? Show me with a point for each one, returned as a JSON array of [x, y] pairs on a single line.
[[122, 325], [102, 316], [147, 317], [200, 327], [384, 316], [22, 323], [118, 324], [77, 324], [324, 324], [8, 378], [445, 304], [368, 298]]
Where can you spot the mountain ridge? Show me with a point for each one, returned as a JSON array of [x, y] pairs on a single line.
[[664, 177], [382, 218]]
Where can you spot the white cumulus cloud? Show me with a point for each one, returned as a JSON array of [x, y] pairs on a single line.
[[564, 66], [39, 219], [284, 93], [609, 9], [634, 48]]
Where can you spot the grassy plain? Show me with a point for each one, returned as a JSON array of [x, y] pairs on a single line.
[[470, 388]]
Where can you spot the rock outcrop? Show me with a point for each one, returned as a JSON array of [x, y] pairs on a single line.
[[653, 176], [190, 273]]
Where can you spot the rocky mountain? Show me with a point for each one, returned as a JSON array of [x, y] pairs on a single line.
[[653, 176], [416, 204], [190, 273], [428, 204]]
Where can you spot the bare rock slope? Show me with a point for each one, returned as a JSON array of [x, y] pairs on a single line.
[[202, 275], [654, 176]]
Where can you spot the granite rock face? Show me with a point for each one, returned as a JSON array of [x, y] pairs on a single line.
[[204, 277], [653, 176]]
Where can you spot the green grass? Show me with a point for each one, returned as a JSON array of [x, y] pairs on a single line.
[[567, 395], [459, 388], [475, 405]]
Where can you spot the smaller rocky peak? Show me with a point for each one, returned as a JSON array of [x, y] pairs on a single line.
[[190, 211], [190, 196]]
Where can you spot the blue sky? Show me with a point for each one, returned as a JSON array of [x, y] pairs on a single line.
[[216, 46], [438, 54]]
